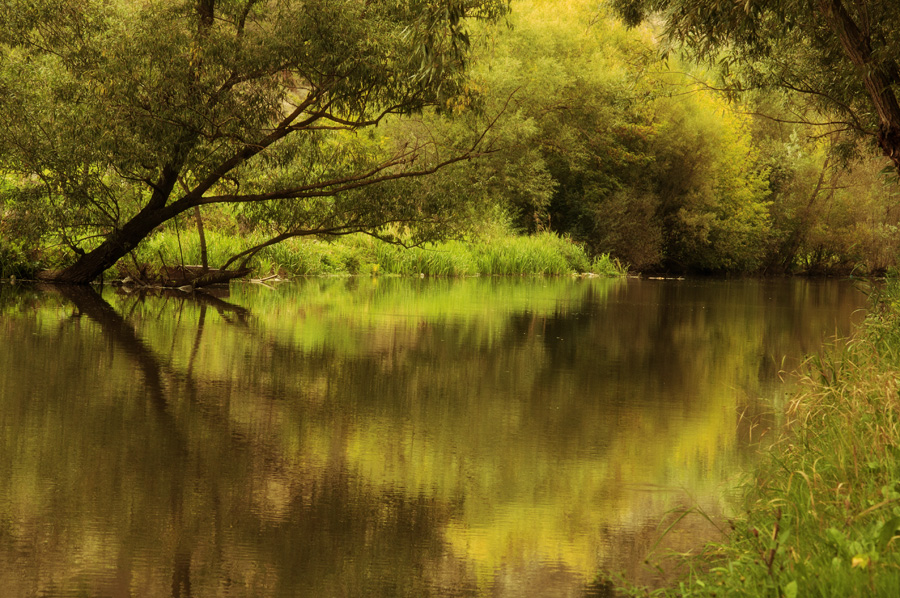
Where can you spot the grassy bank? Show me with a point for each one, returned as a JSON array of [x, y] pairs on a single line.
[[545, 253], [822, 512], [499, 254]]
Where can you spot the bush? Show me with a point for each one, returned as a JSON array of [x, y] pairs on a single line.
[[14, 261]]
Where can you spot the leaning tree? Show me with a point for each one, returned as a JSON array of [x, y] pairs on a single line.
[[121, 115]]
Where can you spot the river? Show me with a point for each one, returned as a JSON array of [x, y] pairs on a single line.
[[386, 437]]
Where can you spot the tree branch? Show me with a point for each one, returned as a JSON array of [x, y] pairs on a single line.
[[875, 77]]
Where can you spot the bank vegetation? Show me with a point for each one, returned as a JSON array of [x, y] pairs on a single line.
[[257, 131]]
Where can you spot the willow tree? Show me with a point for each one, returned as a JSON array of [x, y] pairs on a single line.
[[120, 115], [842, 55]]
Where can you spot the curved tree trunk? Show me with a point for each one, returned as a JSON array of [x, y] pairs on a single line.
[[92, 264]]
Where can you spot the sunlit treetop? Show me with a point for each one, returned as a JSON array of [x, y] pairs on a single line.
[[840, 55]]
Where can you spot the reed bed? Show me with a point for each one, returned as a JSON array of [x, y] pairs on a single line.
[[822, 511], [170, 248], [542, 254]]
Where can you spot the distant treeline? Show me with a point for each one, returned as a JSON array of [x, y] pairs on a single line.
[[541, 117]]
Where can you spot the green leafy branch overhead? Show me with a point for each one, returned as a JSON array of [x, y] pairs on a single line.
[[125, 114]]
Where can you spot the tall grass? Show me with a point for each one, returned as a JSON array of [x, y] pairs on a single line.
[[170, 247], [542, 254], [822, 512]]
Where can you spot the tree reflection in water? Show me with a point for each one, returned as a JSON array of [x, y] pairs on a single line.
[[416, 438]]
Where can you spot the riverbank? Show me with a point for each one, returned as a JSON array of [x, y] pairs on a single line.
[[498, 254], [507, 254], [822, 512]]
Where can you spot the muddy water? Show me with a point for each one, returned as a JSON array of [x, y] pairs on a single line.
[[383, 437]]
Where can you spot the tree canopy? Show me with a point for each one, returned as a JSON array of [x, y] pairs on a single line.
[[715, 136], [595, 145], [122, 115], [840, 55]]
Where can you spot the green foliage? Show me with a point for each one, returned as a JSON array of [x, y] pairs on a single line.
[[713, 196], [591, 146], [833, 58], [316, 258], [498, 254], [19, 230], [543, 254], [855, 224], [125, 116], [128, 114], [832, 211], [604, 265], [638, 157], [578, 106], [14, 261]]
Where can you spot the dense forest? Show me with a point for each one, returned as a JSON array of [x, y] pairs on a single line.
[[669, 135]]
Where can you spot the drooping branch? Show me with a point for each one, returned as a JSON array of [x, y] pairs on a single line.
[[834, 126], [781, 83], [289, 125], [855, 123], [335, 186], [374, 175], [343, 230], [251, 252]]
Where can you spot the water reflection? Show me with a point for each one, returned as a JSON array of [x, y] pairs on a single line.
[[389, 438]]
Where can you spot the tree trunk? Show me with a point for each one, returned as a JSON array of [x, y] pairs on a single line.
[[875, 76], [94, 263], [117, 245], [204, 259]]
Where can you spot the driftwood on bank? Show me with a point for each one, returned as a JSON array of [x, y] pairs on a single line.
[[184, 277], [198, 276]]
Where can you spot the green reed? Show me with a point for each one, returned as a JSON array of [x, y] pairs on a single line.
[[822, 510], [542, 254]]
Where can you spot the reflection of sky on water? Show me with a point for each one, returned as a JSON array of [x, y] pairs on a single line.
[[391, 437]]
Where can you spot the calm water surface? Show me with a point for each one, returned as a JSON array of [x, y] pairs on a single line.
[[361, 438]]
